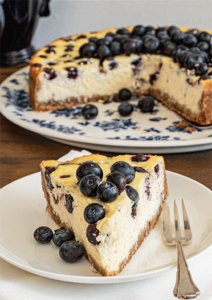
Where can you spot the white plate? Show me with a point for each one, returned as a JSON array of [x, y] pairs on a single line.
[[23, 209], [154, 132]]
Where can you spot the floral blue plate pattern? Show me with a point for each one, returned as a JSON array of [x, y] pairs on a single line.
[[153, 131]]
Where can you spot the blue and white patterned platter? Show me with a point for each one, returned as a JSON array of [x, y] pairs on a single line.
[[155, 132]]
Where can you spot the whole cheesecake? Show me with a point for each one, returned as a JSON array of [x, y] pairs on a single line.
[[124, 217], [172, 64]]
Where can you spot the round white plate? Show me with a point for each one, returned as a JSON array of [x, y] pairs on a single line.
[[23, 209], [143, 131]]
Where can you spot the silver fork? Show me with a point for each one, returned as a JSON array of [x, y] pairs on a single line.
[[184, 286]]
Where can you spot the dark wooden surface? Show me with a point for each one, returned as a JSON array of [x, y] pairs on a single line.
[[21, 152]]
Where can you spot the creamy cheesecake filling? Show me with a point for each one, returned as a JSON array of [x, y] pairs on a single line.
[[154, 72], [118, 231]]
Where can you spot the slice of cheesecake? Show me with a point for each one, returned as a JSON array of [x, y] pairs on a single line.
[[172, 64], [124, 219]]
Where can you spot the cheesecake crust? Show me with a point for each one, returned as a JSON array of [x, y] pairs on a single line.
[[142, 235]]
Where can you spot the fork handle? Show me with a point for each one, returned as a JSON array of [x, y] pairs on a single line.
[[184, 286]]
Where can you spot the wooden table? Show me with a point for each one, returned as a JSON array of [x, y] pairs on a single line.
[[21, 152]]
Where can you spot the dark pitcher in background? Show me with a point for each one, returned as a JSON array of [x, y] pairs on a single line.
[[18, 20]]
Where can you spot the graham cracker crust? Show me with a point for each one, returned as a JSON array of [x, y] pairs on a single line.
[[142, 236]]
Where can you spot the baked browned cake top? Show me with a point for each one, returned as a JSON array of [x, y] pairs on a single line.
[[192, 49]]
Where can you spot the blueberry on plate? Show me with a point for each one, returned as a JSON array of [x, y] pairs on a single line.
[[118, 179], [88, 185], [201, 69], [125, 109], [125, 94], [146, 104], [132, 193], [62, 235], [71, 251], [87, 168], [124, 168], [87, 50], [107, 192], [93, 213], [43, 235], [89, 111]]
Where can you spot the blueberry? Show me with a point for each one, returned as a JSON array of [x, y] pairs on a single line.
[[48, 171], [210, 54], [151, 44], [87, 50], [92, 232], [150, 30], [125, 109], [146, 104], [72, 72], [171, 29], [89, 111], [62, 235], [43, 235], [69, 203], [93, 39], [180, 57], [132, 193], [107, 192], [93, 213], [140, 158], [201, 69], [139, 44], [124, 168], [125, 94], [115, 48], [195, 50], [134, 209], [88, 168], [161, 29], [140, 170], [104, 41], [118, 179], [189, 40], [49, 73], [123, 31], [203, 46], [138, 30], [110, 34], [163, 35], [177, 51], [120, 38], [204, 55], [129, 46], [204, 37], [192, 60], [168, 47], [71, 251], [88, 185], [177, 37], [103, 51]]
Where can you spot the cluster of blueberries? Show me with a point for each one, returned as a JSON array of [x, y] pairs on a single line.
[[89, 175], [146, 104], [70, 250], [192, 49]]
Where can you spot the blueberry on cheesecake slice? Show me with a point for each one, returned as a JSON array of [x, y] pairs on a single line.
[[110, 204]]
